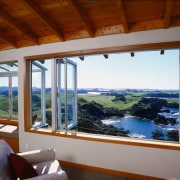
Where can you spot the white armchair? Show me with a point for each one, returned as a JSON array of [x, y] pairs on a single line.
[[43, 161], [45, 164]]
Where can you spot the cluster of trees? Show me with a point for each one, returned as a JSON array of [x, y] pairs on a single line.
[[159, 119], [119, 97], [163, 95], [90, 115], [172, 135], [4, 102], [150, 107]]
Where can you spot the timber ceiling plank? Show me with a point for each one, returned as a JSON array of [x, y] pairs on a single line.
[[83, 17], [8, 40], [14, 23], [123, 16], [144, 10], [28, 22], [46, 19], [168, 11], [147, 25]]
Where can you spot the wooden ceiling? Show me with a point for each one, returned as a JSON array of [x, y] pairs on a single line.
[[35, 22]]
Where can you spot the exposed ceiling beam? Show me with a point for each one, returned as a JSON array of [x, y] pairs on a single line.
[[123, 15], [83, 16], [168, 10], [45, 18], [14, 24], [8, 40]]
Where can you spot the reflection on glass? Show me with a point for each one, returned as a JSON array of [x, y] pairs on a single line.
[[41, 93], [15, 96], [4, 97], [36, 96], [70, 92]]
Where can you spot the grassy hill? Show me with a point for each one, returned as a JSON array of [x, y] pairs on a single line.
[[131, 99]]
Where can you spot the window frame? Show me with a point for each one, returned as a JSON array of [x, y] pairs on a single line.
[[56, 115], [91, 137], [58, 65], [42, 71]]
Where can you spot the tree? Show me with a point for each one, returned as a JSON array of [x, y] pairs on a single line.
[[161, 120], [157, 134], [89, 119], [173, 135], [148, 107], [119, 97], [94, 109]]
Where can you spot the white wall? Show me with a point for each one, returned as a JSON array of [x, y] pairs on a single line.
[[132, 159]]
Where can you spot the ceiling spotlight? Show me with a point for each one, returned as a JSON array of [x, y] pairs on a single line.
[[81, 58], [162, 52], [132, 54], [105, 56]]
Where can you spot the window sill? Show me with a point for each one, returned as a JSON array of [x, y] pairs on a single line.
[[110, 139], [9, 122]]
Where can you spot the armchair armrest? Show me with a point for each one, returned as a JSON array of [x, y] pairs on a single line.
[[38, 156], [61, 175]]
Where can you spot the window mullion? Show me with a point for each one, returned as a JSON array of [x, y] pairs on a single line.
[[54, 94], [59, 120], [75, 94], [43, 95], [65, 93], [10, 96]]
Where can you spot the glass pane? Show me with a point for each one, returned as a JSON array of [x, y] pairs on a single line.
[[15, 96], [4, 96], [36, 95], [8, 89], [61, 97], [66, 98], [41, 94], [48, 106], [9, 66], [70, 93]]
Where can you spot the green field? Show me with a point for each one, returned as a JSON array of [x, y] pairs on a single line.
[[4, 106], [106, 101], [131, 99]]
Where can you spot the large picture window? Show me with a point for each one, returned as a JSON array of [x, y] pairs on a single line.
[[9, 90], [133, 94]]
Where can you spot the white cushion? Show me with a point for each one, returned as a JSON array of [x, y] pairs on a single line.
[[47, 167]]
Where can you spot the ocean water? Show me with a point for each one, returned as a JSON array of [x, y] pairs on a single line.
[[138, 127]]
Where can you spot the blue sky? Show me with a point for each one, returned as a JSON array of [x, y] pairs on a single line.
[[146, 69]]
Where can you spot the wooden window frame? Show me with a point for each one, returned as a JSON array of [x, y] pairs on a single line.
[[91, 137]]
